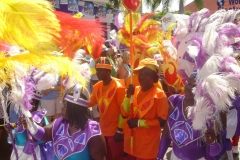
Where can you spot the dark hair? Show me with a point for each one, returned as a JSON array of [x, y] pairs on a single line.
[[77, 115]]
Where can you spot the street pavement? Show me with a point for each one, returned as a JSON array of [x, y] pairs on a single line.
[[224, 157]]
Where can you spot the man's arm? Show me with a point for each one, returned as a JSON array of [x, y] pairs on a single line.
[[97, 148]]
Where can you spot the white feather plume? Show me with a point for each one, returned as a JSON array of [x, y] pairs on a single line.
[[211, 66], [193, 51], [221, 94], [234, 81], [171, 50], [181, 29], [47, 81], [197, 22], [209, 38], [202, 112]]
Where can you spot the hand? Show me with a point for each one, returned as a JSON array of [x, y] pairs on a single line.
[[118, 137], [9, 127], [23, 121], [210, 136], [45, 92], [130, 90], [133, 123]]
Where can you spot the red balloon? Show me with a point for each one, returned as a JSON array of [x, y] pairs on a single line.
[[131, 5]]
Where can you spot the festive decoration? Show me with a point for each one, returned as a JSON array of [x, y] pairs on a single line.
[[37, 27], [131, 5], [75, 34], [146, 36], [205, 43]]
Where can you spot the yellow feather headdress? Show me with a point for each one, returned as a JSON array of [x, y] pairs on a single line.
[[29, 23]]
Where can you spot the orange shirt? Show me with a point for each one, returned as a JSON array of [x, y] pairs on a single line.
[[109, 99], [135, 80], [147, 106]]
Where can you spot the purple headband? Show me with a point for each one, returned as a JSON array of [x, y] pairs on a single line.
[[37, 95], [78, 101]]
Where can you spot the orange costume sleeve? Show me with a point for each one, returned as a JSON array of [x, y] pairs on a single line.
[[120, 97]]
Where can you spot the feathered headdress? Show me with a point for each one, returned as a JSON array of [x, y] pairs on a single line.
[[37, 27], [77, 33], [218, 72], [146, 36]]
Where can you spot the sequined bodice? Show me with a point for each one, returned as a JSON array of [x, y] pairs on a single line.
[[186, 140], [66, 146]]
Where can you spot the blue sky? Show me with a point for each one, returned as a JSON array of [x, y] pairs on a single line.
[[174, 6]]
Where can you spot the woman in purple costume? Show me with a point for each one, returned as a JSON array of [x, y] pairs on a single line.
[[188, 143], [74, 135]]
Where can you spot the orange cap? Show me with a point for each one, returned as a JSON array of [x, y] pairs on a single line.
[[149, 63], [102, 63]]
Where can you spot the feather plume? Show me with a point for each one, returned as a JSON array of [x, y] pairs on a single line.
[[222, 92], [135, 19], [202, 14], [75, 34], [193, 51], [144, 22], [181, 29], [170, 30], [201, 112], [171, 50], [211, 66], [209, 39], [46, 63], [201, 56], [229, 65], [47, 81], [37, 27], [28, 93], [191, 21]]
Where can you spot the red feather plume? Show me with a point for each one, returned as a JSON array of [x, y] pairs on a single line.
[[77, 33], [144, 18]]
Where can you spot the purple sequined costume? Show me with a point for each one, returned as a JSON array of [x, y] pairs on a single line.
[[187, 142], [74, 146]]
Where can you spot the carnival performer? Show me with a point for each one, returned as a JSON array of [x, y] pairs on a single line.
[[74, 135], [22, 141], [109, 94], [232, 129], [187, 143], [150, 110]]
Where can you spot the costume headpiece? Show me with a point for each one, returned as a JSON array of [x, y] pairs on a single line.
[[76, 96], [218, 72], [148, 63], [101, 63], [37, 95]]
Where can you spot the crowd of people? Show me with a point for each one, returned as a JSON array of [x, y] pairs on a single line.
[[118, 128], [111, 108]]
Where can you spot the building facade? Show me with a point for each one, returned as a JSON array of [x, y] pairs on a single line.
[[214, 5]]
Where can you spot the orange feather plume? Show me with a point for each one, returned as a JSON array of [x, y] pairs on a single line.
[[77, 33]]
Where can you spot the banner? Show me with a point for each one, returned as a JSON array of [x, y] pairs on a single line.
[[73, 6], [55, 3], [101, 12], [88, 9]]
